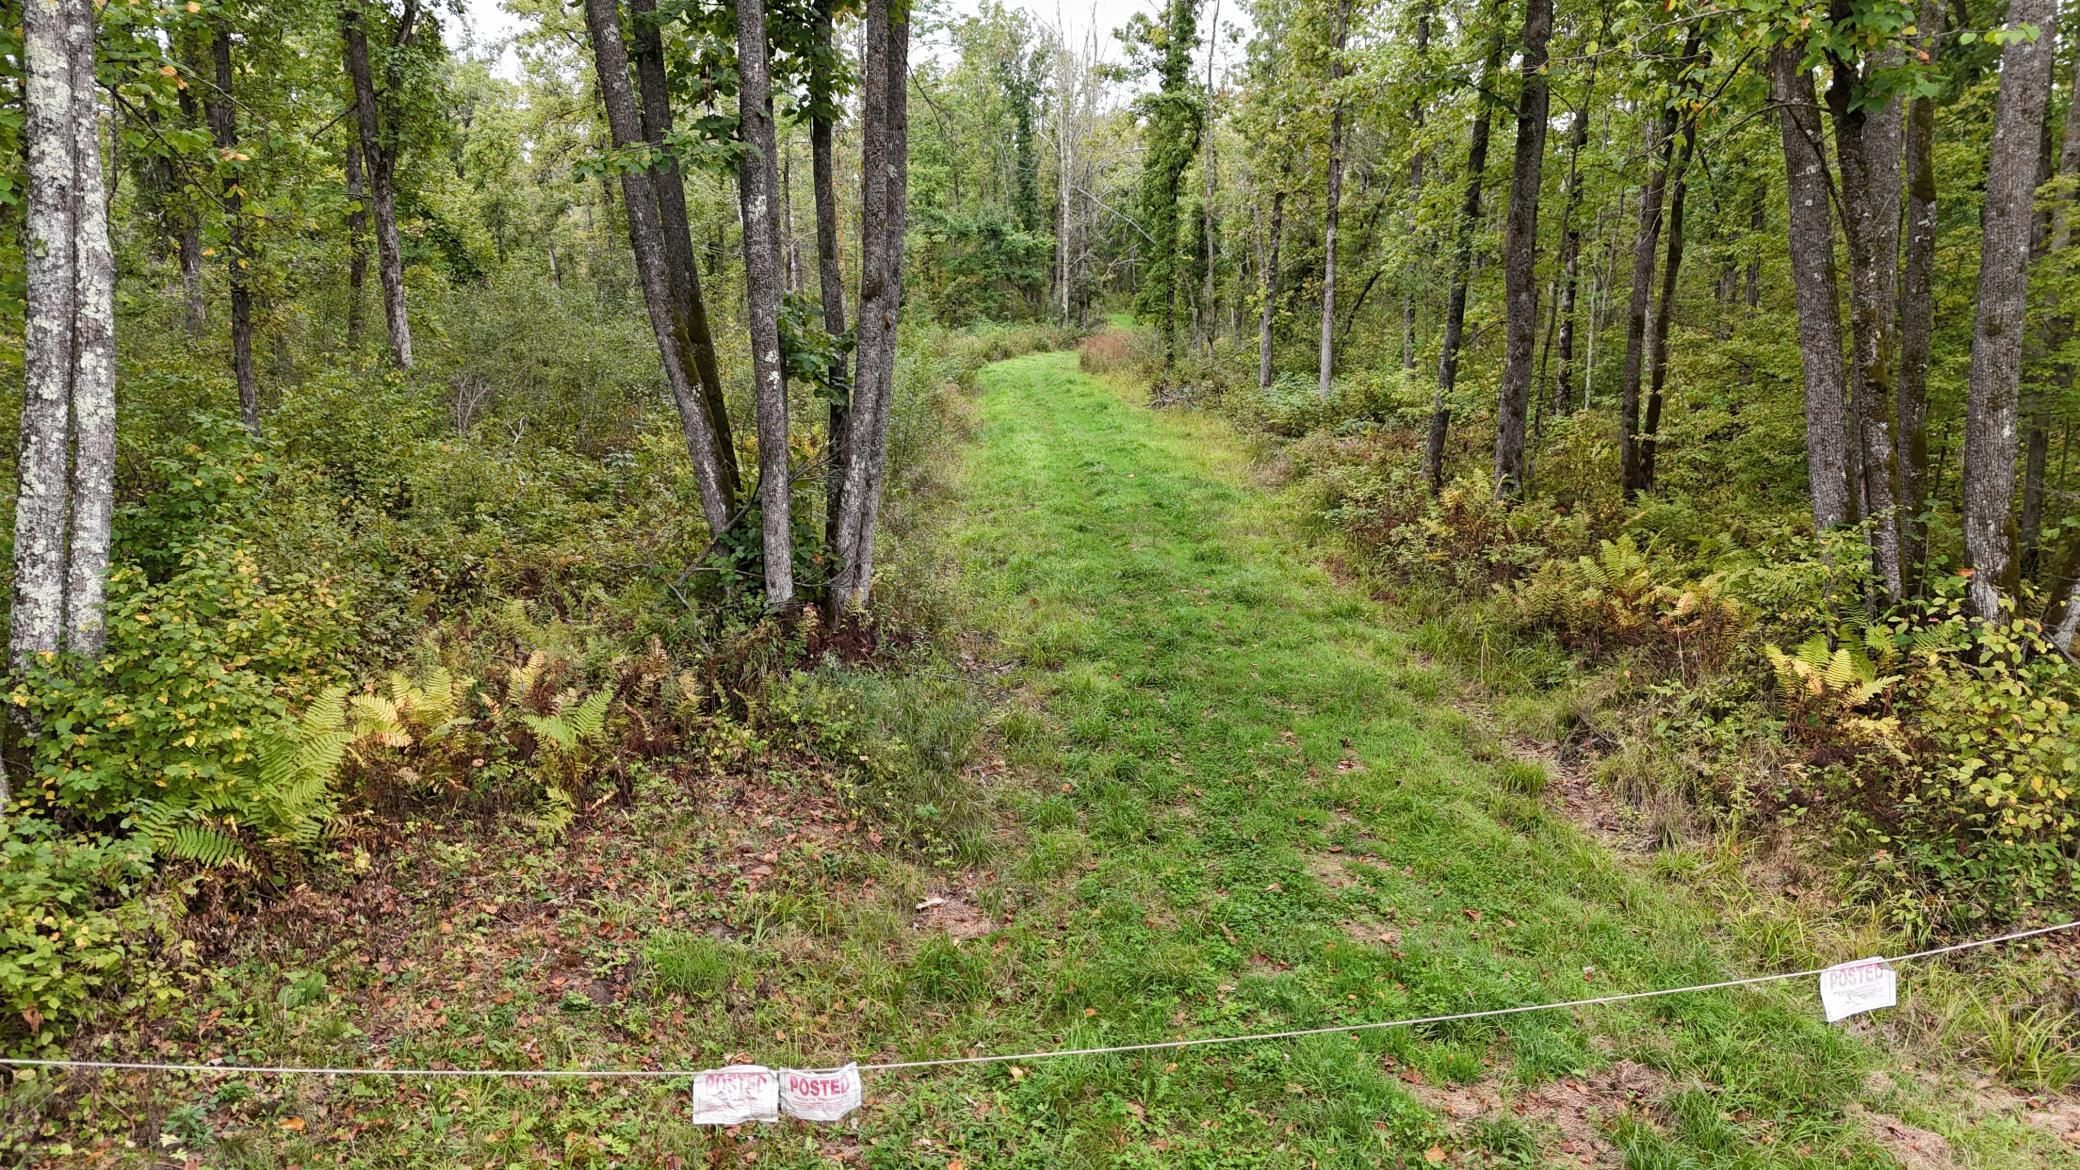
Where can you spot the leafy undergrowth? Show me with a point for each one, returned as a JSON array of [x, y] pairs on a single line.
[[1226, 797]]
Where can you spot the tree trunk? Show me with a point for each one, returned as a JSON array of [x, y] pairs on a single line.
[[64, 498], [1810, 234], [1646, 249], [758, 194], [379, 156], [1917, 314], [94, 360], [1270, 278], [1415, 190], [1213, 42], [646, 240], [1520, 257], [884, 191], [1997, 331], [682, 274], [830, 272], [357, 243], [1334, 198], [219, 106], [1647, 445], [1570, 259], [1462, 272], [2062, 614], [1867, 145]]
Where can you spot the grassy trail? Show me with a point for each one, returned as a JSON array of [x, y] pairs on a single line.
[[1268, 816], [1230, 799]]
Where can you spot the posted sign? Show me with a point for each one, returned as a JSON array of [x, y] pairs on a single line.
[[819, 1095], [752, 1092], [1848, 989], [735, 1095]]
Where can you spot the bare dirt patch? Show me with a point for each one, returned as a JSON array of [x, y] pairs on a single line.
[[1911, 1146], [955, 915], [1576, 1112]]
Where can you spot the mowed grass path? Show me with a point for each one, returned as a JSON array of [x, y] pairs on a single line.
[[1255, 810], [1230, 800]]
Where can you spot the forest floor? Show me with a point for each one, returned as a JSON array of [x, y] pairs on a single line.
[[1227, 795]]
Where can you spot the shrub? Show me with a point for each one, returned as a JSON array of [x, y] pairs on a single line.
[[175, 722], [71, 918]]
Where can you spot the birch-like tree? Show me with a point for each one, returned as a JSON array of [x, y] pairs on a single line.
[[65, 491]]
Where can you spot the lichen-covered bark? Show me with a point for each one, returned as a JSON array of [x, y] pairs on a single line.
[[1520, 257], [758, 196], [1997, 331], [93, 357], [1810, 235], [50, 130]]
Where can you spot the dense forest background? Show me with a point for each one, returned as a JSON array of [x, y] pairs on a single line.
[[411, 424]]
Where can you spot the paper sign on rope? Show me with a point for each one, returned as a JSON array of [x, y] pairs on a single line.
[[1848, 989], [819, 1094], [735, 1095]]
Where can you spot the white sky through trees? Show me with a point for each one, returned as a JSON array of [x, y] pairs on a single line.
[[486, 23]]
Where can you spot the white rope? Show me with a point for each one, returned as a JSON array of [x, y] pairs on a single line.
[[901, 1065]]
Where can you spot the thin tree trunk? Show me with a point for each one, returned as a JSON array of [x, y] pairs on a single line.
[[1646, 249], [682, 274], [646, 241], [1213, 42], [1270, 277], [219, 105], [1997, 332], [1867, 145], [1333, 196], [1415, 191], [1917, 313], [1462, 271], [381, 162], [1647, 445], [357, 243], [1520, 257], [830, 273], [884, 191], [1570, 258], [1810, 234], [758, 193]]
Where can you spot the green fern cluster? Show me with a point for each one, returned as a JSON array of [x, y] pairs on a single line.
[[283, 804]]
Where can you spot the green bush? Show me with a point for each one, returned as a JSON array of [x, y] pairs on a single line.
[[71, 921], [201, 676]]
